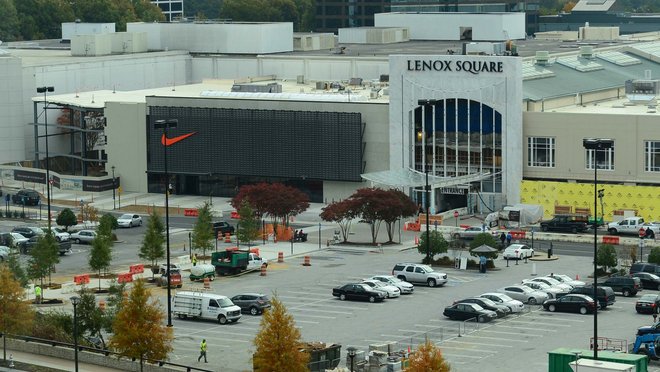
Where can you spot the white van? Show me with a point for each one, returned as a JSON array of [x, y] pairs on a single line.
[[205, 306]]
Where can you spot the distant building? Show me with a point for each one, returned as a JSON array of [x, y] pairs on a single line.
[[173, 9]]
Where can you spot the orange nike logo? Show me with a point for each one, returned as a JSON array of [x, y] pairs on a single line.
[[170, 141]]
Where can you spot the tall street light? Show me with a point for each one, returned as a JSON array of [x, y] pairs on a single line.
[[426, 103], [164, 125], [114, 186], [75, 300], [596, 144], [45, 91]]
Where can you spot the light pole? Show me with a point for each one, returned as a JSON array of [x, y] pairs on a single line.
[[351, 354], [319, 236], [75, 300], [45, 91], [596, 144], [164, 125], [114, 186], [426, 103]]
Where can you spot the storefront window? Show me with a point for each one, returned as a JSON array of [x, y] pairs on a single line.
[[541, 152]]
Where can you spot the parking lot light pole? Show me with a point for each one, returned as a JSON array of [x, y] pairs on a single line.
[[596, 144], [114, 186], [351, 354], [75, 300], [164, 125], [45, 91]]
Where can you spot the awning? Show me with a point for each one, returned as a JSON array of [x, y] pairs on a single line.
[[406, 177]]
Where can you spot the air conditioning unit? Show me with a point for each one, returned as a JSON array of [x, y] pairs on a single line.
[[642, 91], [542, 57]]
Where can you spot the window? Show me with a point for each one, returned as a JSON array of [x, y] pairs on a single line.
[[603, 158], [652, 156], [541, 152]]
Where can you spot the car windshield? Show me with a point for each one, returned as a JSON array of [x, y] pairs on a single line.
[[542, 285], [126, 217], [224, 302], [552, 281], [526, 289], [649, 297], [654, 277], [488, 302], [562, 278], [504, 297]]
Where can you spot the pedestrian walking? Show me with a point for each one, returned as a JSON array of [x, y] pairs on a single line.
[[202, 351], [508, 238], [37, 293], [482, 264], [502, 238], [194, 259], [649, 233]]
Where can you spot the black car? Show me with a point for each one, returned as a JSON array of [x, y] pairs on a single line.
[[648, 304], [253, 303], [222, 228], [28, 231], [626, 285], [642, 267], [358, 291], [572, 303], [27, 197], [499, 309], [649, 281], [566, 223], [605, 295], [461, 311]]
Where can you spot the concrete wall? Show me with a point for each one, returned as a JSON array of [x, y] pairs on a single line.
[[91, 45], [129, 42], [229, 38], [12, 140], [599, 33], [371, 35], [71, 29], [305, 42], [127, 139], [449, 26]]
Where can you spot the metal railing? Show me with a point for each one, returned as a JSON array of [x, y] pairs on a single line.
[[104, 352]]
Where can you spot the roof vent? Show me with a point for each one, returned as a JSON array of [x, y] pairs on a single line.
[[587, 52], [542, 57], [642, 91]]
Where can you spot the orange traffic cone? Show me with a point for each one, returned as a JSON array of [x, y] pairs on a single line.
[[416, 240], [577, 276]]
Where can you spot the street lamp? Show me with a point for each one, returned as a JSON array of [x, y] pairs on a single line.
[[75, 300], [596, 144], [426, 103], [164, 125], [351, 354], [114, 186], [45, 91]]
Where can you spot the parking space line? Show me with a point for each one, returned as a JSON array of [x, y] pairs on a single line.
[[511, 333], [476, 343], [529, 328], [559, 317], [496, 338], [341, 307], [468, 348], [539, 323], [306, 321], [326, 311], [316, 316], [450, 355], [307, 293]]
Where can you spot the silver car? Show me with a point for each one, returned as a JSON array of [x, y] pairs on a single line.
[[567, 280], [404, 287], [524, 294], [389, 290], [83, 236], [471, 232], [553, 283], [129, 220], [500, 298], [552, 292]]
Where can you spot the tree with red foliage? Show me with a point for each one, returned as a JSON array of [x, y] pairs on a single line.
[[400, 206], [342, 212], [376, 206], [274, 199]]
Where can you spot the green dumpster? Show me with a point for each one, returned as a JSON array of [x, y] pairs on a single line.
[[559, 359]]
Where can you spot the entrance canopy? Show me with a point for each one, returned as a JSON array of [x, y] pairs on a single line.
[[406, 177]]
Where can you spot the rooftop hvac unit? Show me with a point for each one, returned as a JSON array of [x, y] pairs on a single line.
[[255, 88], [384, 78], [355, 81], [542, 57], [300, 79], [642, 91], [320, 85], [587, 52], [373, 94]]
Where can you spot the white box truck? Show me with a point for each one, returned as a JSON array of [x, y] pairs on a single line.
[[201, 305]]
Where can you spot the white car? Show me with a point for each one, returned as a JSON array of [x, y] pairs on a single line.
[[18, 239], [4, 253], [390, 290], [553, 283], [129, 220], [552, 292], [517, 252], [59, 234], [472, 231], [524, 294], [500, 298], [567, 280], [404, 287]]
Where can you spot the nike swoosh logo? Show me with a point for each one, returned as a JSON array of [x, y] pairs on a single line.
[[170, 141]]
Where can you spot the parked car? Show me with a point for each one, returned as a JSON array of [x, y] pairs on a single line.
[[13, 240], [83, 236], [27, 197], [358, 291], [572, 303], [222, 227], [404, 287], [626, 285], [471, 232], [129, 220], [253, 303], [552, 292], [604, 295], [59, 234], [500, 298], [500, 309], [649, 281], [524, 294], [573, 223], [418, 273], [390, 290], [566, 280], [28, 231], [648, 304], [645, 267], [551, 282], [4, 253], [463, 311], [517, 252]]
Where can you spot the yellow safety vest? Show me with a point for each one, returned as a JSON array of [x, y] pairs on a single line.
[[202, 346], [37, 290]]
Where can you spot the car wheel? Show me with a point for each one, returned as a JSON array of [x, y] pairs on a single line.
[[222, 319], [254, 311], [372, 299], [574, 230], [544, 228], [431, 282], [342, 297], [182, 316], [531, 301], [402, 278], [612, 231], [583, 310], [552, 308], [140, 224], [658, 287], [626, 292], [481, 319], [457, 236], [77, 241]]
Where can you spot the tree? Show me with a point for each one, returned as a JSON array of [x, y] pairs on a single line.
[[15, 267], [342, 212], [16, 315], [278, 342], [44, 256], [606, 256], [9, 27], [152, 245], [427, 358], [300, 12], [248, 229], [438, 244], [203, 9], [66, 218], [484, 239], [100, 255], [42, 19], [91, 320], [138, 329], [401, 206], [107, 224], [202, 236], [374, 207], [146, 11], [654, 256]]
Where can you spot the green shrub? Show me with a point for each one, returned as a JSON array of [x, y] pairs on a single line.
[[16, 214]]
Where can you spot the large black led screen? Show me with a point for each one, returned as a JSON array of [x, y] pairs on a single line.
[[269, 143]]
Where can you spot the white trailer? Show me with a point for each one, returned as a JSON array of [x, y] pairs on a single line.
[[187, 304]]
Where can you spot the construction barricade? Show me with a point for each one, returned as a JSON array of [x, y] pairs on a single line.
[[280, 256], [81, 279], [609, 239], [136, 269], [190, 212], [306, 262], [518, 235], [124, 278]]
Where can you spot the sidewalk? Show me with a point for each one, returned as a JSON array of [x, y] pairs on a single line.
[[51, 362]]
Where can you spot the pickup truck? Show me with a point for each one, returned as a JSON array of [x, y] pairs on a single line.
[[566, 223], [631, 226], [63, 246], [234, 261]]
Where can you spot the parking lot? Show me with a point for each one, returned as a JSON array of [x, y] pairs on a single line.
[[516, 342]]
